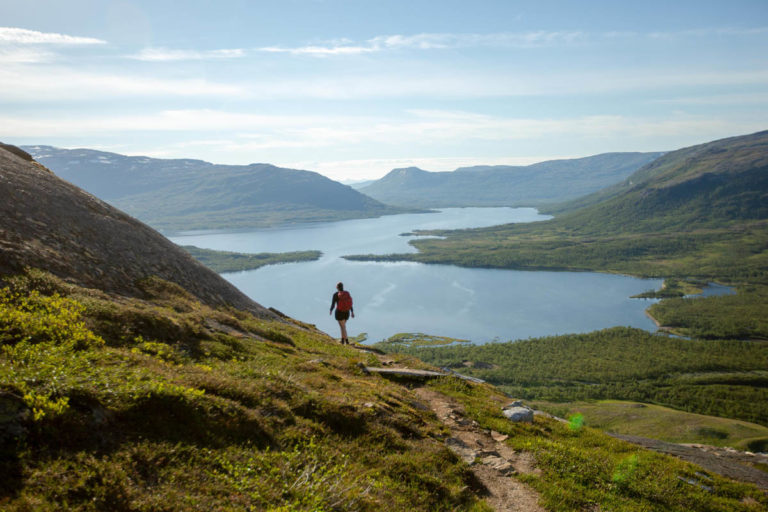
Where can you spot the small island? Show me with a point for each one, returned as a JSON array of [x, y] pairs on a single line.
[[226, 261]]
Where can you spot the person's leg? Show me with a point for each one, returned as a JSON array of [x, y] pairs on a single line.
[[343, 325]]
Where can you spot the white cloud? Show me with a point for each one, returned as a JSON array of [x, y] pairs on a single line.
[[529, 39], [166, 54], [60, 84], [259, 132], [320, 51], [24, 55], [429, 41], [24, 36]]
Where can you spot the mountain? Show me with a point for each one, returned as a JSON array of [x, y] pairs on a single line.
[[698, 212], [713, 185], [52, 225], [533, 185], [183, 194], [728, 158], [132, 378]]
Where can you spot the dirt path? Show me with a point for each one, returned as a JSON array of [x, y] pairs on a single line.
[[491, 460], [723, 461]]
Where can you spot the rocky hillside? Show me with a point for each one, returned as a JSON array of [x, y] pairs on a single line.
[[184, 194], [53, 225], [502, 185]]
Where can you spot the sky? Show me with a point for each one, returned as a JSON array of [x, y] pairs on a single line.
[[355, 88]]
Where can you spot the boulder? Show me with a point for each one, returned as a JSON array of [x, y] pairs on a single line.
[[517, 412]]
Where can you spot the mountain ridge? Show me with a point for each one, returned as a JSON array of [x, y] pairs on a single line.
[[186, 194], [498, 185]]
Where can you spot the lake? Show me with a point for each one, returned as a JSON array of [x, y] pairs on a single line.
[[482, 305]]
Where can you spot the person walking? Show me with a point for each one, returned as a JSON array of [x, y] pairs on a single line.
[[342, 301]]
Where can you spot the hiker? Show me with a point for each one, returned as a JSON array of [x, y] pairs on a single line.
[[342, 300]]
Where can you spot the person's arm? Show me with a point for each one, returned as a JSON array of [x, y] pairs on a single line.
[[334, 300]]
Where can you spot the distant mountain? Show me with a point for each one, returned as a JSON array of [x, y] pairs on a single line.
[[500, 185], [49, 224], [358, 184], [183, 194], [697, 212]]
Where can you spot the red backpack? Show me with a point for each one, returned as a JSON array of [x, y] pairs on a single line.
[[345, 301]]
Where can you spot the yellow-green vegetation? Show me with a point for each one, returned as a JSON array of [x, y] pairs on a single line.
[[580, 468], [717, 377], [740, 316], [657, 422], [162, 403], [227, 261], [417, 339]]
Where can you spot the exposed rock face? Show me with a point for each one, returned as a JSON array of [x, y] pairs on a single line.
[[50, 224]]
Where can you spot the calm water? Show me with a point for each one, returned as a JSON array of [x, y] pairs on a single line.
[[478, 304]]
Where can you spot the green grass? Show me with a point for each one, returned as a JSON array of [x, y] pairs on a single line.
[[663, 423], [162, 403], [116, 403], [583, 469], [226, 261]]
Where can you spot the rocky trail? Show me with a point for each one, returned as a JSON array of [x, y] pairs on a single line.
[[491, 460]]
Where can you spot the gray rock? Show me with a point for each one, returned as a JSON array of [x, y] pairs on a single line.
[[517, 412]]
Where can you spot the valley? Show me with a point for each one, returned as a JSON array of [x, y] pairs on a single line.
[[551, 219], [98, 372]]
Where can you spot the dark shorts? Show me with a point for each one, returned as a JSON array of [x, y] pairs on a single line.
[[342, 315]]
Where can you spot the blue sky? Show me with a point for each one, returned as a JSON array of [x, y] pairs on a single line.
[[354, 88]]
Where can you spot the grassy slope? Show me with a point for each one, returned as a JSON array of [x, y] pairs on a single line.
[[161, 403], [227, 261], [111, 403], [658, 422], [580, 468]]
